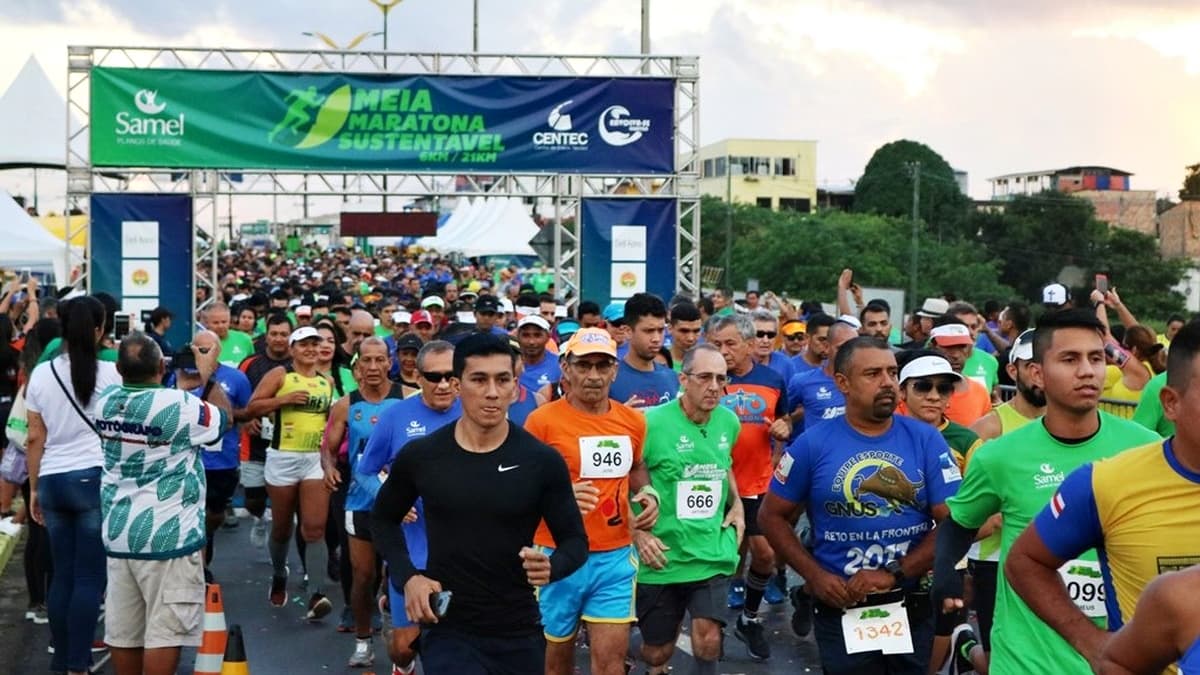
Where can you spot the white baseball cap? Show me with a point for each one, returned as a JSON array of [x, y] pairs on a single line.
[[1054, 294], [432, 301], [506, 305], [401, 317], [1022, 347], [850, 320], [534, 320], [303, 333], [951, 334], [926, 366]]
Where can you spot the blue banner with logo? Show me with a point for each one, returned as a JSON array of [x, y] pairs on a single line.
[[173, 118], [142, 255], [619, 240]]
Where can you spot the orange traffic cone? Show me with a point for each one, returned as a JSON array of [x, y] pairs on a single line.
[[235, 654], [212, 645]]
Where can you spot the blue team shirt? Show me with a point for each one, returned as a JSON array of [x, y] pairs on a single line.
[[361, 420], [659, 386], [401, 423], [237, 389], [545, 372], [819, 395], [526, 403], [869, 498], [800, 365], [782, 364]]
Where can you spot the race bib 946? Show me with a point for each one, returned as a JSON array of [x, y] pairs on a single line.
[[605, 456]]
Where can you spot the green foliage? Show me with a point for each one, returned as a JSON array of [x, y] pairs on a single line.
[[802, 254], [886, 188], [1143, 279], [1191, 183]]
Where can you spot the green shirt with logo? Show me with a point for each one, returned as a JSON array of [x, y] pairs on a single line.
[[689, 467], [1149, 411], [983, 368], [1017, 475], [235, 348]]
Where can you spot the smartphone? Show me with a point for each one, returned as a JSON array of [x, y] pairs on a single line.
[[25, 274], [121, 325], [1102, 283], [1119, 356], [440, 602]]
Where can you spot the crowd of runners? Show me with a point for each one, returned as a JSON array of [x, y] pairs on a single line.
[[495, 474]]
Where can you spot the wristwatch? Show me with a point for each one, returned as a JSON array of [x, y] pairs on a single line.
[[896, 570]]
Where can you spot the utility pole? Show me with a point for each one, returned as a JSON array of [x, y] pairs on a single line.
[[728, 279], [475, 28], [385, 6], [645, 27], [914, 169]]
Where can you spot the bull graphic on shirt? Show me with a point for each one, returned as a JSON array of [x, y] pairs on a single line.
[[891, 485]]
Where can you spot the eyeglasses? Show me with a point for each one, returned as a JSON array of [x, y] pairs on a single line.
[[794, 337], [769, 334], [602, 367], [436, 378], [709, 378], [926, 386]]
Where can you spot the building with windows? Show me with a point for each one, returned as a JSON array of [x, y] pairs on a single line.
[[778, 175], [1108, 190]]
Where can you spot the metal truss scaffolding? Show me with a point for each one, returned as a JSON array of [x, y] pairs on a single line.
[[565, 190]]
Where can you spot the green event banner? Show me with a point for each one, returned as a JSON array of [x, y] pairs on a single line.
[[174, 118]]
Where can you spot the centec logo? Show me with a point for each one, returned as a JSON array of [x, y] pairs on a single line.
[[564, 136], [617, 128], [151, 127]]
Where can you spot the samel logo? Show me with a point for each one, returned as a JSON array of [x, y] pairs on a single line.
[[144, 100], [133, 129], [617, 128]]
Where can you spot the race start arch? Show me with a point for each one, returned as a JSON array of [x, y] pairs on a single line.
[[611, 141]]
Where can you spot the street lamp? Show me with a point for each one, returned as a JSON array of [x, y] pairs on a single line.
[[385, 6]]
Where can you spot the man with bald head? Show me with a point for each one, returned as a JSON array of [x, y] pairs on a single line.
[[221, 457], [235, 345], [361, 327]]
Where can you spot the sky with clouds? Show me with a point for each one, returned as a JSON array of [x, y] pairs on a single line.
[[994, 87]]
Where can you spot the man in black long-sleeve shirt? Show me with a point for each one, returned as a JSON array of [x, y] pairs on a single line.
[[485, 485]]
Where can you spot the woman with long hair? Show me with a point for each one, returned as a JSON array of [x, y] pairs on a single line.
[[10, 371], [331, 361], [65, 459]]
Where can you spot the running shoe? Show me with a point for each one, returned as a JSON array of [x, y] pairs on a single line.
[[962, 640], [776, 591], [319, 607], [37, 614], [737, 594], [278, 595], [363, 656], [346, 624], [752, 633], [802, 612], [258, 533], [231, 519]]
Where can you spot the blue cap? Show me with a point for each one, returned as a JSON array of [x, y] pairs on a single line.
[[614, 312], [567, 328]]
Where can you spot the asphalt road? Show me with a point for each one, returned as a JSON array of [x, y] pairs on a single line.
[[279, 641]]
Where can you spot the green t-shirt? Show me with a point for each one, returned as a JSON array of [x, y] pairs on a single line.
[[689, 467], [382, 331], [235, 348], [1149, 411], [960, 439], [983, 368], [54, 348], [541, 282], [1016, 475]]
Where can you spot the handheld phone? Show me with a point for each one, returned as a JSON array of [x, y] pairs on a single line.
[[121, 325], [1119, 356], [25, 274], [1102, 283], [440, 602]]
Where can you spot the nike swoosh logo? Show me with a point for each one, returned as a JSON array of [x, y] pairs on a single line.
[[503, 468]]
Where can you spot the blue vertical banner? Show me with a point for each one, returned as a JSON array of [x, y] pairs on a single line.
[[142, 255], [627, 246]]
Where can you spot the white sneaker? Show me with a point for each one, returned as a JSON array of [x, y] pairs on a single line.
[[12, 529], [258, 533], [364, 655]]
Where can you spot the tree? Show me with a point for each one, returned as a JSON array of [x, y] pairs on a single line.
[[886, 188], [1144, 280], [1191, 183]]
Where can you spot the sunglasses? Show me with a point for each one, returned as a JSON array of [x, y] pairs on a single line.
[[795, 337], [436, 378], [769, 334], [926, 386]]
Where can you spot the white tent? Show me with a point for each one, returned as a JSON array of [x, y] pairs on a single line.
[[33, 121], [506, 231], [460, 221], [27, 244], [460, 212]]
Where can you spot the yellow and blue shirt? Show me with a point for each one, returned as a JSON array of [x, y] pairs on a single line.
[[1138, 510]]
